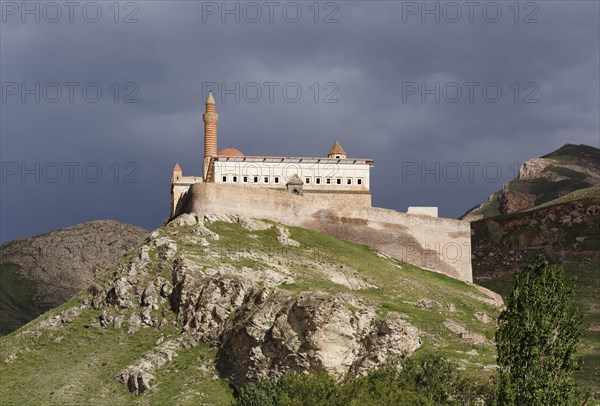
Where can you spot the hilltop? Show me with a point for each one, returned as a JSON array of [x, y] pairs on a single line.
[[44, 271], [542, 180], [205, 305]]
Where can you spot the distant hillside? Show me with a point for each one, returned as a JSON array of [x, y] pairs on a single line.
[[218, 301], [566, 233], [41, 272], [553, 209], [541, 180]]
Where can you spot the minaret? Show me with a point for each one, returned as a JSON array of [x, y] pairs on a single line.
[[210, 135]]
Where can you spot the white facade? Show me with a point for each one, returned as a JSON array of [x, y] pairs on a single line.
[[317, 174]]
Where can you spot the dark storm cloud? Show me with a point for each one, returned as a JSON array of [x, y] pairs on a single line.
[[370, 55]]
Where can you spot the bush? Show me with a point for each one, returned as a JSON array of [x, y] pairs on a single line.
[[425, 380]]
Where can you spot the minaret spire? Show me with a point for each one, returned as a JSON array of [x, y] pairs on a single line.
[[210, 135]]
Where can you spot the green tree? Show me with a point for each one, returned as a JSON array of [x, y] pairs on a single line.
[[536, 339]]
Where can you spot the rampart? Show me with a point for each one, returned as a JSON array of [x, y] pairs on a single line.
[[438, 244]]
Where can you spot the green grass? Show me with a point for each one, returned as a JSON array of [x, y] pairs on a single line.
[[489, 208], [575, 154], [82, 367], [16, 299], [396, 282], [586, 193], [398, 285]]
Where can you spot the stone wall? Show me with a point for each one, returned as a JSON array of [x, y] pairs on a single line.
[[442, 245], [423, 211]]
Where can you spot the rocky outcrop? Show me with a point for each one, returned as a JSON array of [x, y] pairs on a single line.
[[260, 329], [513, 201], [540, 180], [561, 232], [313, 332]]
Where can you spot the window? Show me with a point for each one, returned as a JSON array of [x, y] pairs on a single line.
[[235, 178], [318, 181], [256, 179], [307, 181], [224, 179], [245, 179], [337, 156], [359, 181], [349, 181], [338, 181], [328, 181], [266, 179], [276, 179]]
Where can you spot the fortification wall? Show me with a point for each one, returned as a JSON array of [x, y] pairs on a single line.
[[438, 244]]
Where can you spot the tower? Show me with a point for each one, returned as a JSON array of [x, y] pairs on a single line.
[[337, 151], [177, 173], [210, 118]]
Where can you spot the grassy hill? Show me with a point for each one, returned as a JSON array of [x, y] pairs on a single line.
[[558, 175], [67, 360]]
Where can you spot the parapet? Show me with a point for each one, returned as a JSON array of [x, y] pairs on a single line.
[[423, 211]]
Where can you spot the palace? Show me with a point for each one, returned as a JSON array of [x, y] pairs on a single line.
[[330, 194], [335, 173]]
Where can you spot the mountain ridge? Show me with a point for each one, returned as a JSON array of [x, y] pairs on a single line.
[[45, 270], [541, 180]]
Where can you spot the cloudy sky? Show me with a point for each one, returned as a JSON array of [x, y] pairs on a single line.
[[100, 100]]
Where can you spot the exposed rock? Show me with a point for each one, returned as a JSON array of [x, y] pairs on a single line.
[[201, 230], [145, 253], [316, 331], [284, 237], [253, 225], [451, 308], [353, 282], [428, 303], [118, 321], [393, 336], [492, 298], [483, 317], [53, 322], [105, 318], [150, 296], [211, 218], [136, 380], [185, 219], [166, 249], [166, 289], [592, 210], [464, 335], [10, 358], [137, 376], [134, 323]]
